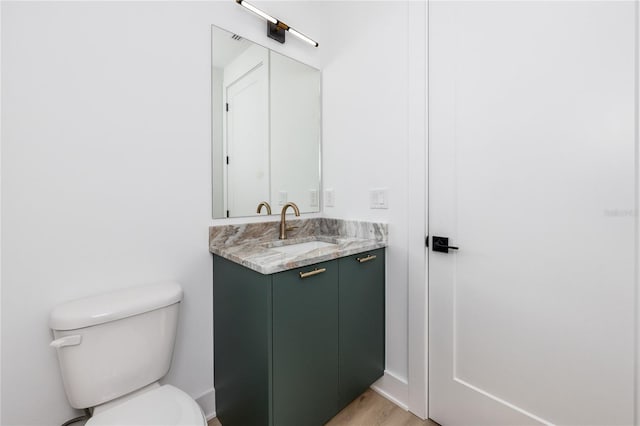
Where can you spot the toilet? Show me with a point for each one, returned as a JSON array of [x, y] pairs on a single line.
[[112, 350]]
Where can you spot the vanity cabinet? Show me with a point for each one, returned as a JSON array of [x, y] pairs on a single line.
[[292, 350], [361, 323]]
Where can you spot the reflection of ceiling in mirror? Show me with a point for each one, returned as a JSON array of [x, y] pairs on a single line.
[[226, 47]]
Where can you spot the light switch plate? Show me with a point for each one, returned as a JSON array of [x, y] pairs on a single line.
[[282, 197], [329, 198], [378, 198]]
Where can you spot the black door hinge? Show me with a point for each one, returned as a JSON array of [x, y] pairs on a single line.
[[426, 241], [227, 106], [227, 213], [227, 159]]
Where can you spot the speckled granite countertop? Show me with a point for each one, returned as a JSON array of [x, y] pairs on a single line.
[[256, 245]]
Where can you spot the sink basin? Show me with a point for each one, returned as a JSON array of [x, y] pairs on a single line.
[[300, 248]]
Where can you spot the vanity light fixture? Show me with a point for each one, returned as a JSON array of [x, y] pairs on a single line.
[[276, 28]]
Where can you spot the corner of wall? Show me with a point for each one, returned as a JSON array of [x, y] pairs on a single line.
[[207, 402], [394, 389]]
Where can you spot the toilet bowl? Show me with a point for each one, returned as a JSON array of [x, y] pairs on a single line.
[[163, 406], [112, 350]]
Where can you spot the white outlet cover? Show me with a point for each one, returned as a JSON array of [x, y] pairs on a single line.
[[329, 198], [313, 197]]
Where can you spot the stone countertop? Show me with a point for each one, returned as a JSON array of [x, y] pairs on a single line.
[[256, 245]]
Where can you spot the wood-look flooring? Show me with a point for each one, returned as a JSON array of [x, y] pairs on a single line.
[[370, 409]]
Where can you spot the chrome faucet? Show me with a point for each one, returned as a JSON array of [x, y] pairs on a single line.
[[283, 223], [264, 204]]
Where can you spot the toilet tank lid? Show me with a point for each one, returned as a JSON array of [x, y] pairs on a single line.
[[114, 305]]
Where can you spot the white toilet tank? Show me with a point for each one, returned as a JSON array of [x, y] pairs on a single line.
[[115, 343]]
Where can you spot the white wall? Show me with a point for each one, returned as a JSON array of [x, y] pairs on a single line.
[[106, 144], [106, 163], [637, 207]]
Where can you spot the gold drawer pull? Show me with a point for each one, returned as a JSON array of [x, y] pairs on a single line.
[[312, 273], [366, 259]]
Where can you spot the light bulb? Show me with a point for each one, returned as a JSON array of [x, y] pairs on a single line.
[[258, 11], [302, 37]]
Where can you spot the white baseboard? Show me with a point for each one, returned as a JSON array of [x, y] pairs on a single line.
[[394, 389], [207, 401]]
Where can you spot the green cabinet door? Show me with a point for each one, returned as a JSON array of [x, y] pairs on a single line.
[[361, 321], [305, 346], [242, 338]]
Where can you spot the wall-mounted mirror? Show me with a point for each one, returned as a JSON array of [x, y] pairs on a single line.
[[266, 128]]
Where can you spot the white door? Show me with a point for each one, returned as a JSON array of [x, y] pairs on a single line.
[[531, 175], [247, 134]]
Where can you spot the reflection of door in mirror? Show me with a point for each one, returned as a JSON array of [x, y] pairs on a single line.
[[246, 131]]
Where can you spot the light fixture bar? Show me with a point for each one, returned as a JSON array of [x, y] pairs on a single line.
[[257, 11], [276, 28], [303, 37]]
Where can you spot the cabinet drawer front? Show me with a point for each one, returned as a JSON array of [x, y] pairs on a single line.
[[305, 347], [361, 332]]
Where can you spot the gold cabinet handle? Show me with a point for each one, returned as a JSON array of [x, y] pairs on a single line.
[[366, 259], [312, 273]]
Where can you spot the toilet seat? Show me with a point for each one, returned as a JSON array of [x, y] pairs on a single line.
[[163, 406]]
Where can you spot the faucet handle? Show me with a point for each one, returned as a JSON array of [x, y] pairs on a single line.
[[291, 228]]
